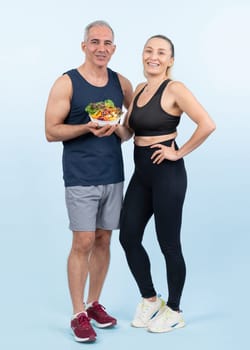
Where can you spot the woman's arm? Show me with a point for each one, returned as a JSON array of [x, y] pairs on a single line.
[[187, 103], [124, 131]]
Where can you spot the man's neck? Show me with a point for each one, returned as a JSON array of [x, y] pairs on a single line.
[[97, 76]]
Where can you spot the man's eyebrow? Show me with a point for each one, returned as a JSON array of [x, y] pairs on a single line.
[[106, 41]]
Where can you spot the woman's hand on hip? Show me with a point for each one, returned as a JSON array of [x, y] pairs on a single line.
[[164, 152]]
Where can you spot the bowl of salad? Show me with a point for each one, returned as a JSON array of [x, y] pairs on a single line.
[[104, 112]]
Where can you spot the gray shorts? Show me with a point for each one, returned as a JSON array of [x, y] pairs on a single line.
[[92, 207]]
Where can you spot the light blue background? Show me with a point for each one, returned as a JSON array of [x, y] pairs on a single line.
[[41, 40]]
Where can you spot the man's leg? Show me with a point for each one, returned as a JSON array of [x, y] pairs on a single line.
[[98, 267], [78, 267], [98, 263]]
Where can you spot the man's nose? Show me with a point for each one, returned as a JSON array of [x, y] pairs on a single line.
[[101, 47]]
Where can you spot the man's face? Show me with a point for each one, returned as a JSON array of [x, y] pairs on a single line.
[[99, 47]]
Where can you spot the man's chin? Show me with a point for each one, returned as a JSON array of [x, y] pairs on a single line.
[[101, 63]]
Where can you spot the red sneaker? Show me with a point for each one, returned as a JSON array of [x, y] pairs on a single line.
[[82, 329], [101, 319]]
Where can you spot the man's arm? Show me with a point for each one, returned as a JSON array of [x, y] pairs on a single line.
[[127, 90], [58, 107], [122, 131]]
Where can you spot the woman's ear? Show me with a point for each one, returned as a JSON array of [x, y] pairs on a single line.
[[171, 62]]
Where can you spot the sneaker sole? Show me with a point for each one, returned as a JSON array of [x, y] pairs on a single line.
[[165, 330], [103, 325], [137, 326], [85, 340]]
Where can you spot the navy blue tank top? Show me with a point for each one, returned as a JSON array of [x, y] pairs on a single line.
[[88, 159], [151, 119]]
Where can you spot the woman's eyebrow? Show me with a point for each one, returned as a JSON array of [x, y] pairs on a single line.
[[159, 48]]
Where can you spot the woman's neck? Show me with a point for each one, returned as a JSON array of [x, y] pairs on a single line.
[[153, 83]]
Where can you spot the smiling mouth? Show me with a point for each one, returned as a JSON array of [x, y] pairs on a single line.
[[153, 64], [101, 57]]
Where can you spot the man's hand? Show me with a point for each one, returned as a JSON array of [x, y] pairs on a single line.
[[102, 131]]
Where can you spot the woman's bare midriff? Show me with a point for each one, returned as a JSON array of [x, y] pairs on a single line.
[[150, 140]]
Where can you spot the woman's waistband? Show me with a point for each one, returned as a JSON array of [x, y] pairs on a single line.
[[165, 143]]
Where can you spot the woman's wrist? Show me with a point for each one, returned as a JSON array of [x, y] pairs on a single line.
[[178, 154]]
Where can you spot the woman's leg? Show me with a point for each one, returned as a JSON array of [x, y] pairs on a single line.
[[136, 212], [168, 197]]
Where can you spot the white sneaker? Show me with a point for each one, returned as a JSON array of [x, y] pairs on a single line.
[[166, 320], [145, 311]]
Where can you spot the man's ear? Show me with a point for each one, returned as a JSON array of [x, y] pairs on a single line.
[[83, 46], [114, 48]]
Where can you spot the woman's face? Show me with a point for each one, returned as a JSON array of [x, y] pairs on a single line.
[[157, 57]]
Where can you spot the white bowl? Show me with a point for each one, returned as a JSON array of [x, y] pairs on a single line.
[[105, 122]]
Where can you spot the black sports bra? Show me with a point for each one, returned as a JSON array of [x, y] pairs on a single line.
[[151, 119]]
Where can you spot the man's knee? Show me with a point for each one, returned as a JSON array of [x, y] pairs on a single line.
[[103, 238], [83, 242]]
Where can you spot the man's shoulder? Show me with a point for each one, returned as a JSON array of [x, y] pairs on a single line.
[[117, 74], [70, 72], [112, 74]]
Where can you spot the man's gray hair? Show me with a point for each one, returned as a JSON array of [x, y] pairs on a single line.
[[96, 24]]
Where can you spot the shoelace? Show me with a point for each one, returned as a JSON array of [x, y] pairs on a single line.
[[145, 308], [144, 311], [101, 308], [83, 321]]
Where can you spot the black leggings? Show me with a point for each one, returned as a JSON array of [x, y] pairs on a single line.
[[159, 190]]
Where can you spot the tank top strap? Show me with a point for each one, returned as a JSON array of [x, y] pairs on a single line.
[[162, 87], [138, 95], [158, 91]]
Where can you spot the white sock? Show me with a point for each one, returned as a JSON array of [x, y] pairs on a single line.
[[75, 315], [89, 305]]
